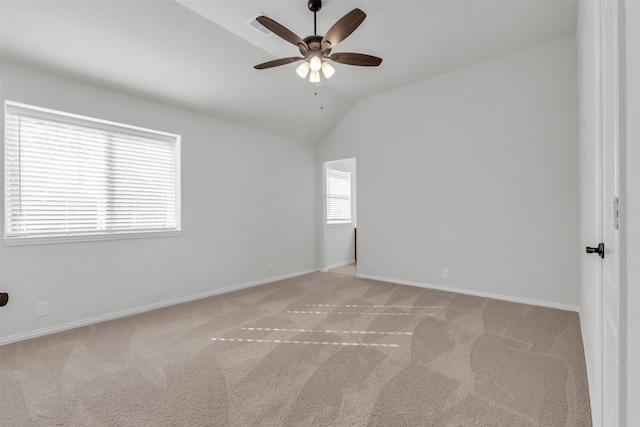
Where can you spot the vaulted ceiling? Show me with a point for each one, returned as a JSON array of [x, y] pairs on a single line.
[[199, 54]]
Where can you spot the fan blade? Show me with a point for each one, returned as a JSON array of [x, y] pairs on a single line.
[[281, 31], [341, 29], [356, 59], [277, 62]]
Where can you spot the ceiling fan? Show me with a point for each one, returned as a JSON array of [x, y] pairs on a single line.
[[315, 49]]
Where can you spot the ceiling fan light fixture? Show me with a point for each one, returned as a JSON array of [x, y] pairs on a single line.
[[315, 63], [314, 76], [303, 69], [327, 69], [315, 49]]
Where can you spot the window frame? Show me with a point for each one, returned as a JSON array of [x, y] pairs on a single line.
[[100, 124], [338, 222]]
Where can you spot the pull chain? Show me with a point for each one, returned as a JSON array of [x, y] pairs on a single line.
[[315, 93]]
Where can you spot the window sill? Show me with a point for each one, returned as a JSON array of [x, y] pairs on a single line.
[[340, 224], [45, 240]]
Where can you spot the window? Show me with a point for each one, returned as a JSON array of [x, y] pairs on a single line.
[[338, 197], [69, 177]]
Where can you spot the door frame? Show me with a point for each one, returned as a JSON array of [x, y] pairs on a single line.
[[610, 128], [324, 249]]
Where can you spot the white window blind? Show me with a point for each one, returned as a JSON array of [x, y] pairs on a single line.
[[338, 197], [69, 176]]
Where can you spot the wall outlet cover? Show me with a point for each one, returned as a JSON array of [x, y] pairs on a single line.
[[42, 309]]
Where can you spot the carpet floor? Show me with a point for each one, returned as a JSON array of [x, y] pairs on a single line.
[[324, 349]]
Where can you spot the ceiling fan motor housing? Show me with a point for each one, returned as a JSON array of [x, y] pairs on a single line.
[[315, 45]]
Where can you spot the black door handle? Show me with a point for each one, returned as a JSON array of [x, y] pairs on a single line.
[[599, 250]]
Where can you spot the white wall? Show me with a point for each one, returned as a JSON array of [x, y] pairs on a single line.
[[339, 238], [590, 266], [475, 171], [248, 198], [633, 210]]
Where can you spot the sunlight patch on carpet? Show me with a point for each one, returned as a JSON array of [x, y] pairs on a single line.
[[354, 312], [304, 342], [374, 306], [322, 330]]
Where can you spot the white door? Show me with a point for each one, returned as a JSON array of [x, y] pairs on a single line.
[[612, 340]]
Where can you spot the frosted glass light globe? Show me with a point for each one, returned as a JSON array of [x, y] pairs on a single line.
[[314, 76], [303, 69], [327, 69], [315, 63]]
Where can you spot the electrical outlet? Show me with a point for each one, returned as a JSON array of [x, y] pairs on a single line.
[[42, 308], [270, 266], [445, 273]]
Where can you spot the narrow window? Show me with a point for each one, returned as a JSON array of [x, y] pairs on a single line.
[[70, 177], [338, 197]]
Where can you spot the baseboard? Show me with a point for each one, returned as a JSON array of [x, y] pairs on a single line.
[[103, 318], [593, 379], [510, 298], [339, 264]]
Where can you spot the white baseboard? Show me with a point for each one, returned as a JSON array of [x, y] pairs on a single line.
[[103, 318], [528, 301], [593, 378]]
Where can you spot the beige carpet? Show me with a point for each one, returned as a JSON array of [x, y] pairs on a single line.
[[325, 349], [350, 269]]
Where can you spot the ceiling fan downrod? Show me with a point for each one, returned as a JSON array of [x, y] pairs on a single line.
[[314, 6]]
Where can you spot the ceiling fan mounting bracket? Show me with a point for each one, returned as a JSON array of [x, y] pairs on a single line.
[[314, 5]]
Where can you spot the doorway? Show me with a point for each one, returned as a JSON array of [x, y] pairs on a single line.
[[339, 219]]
